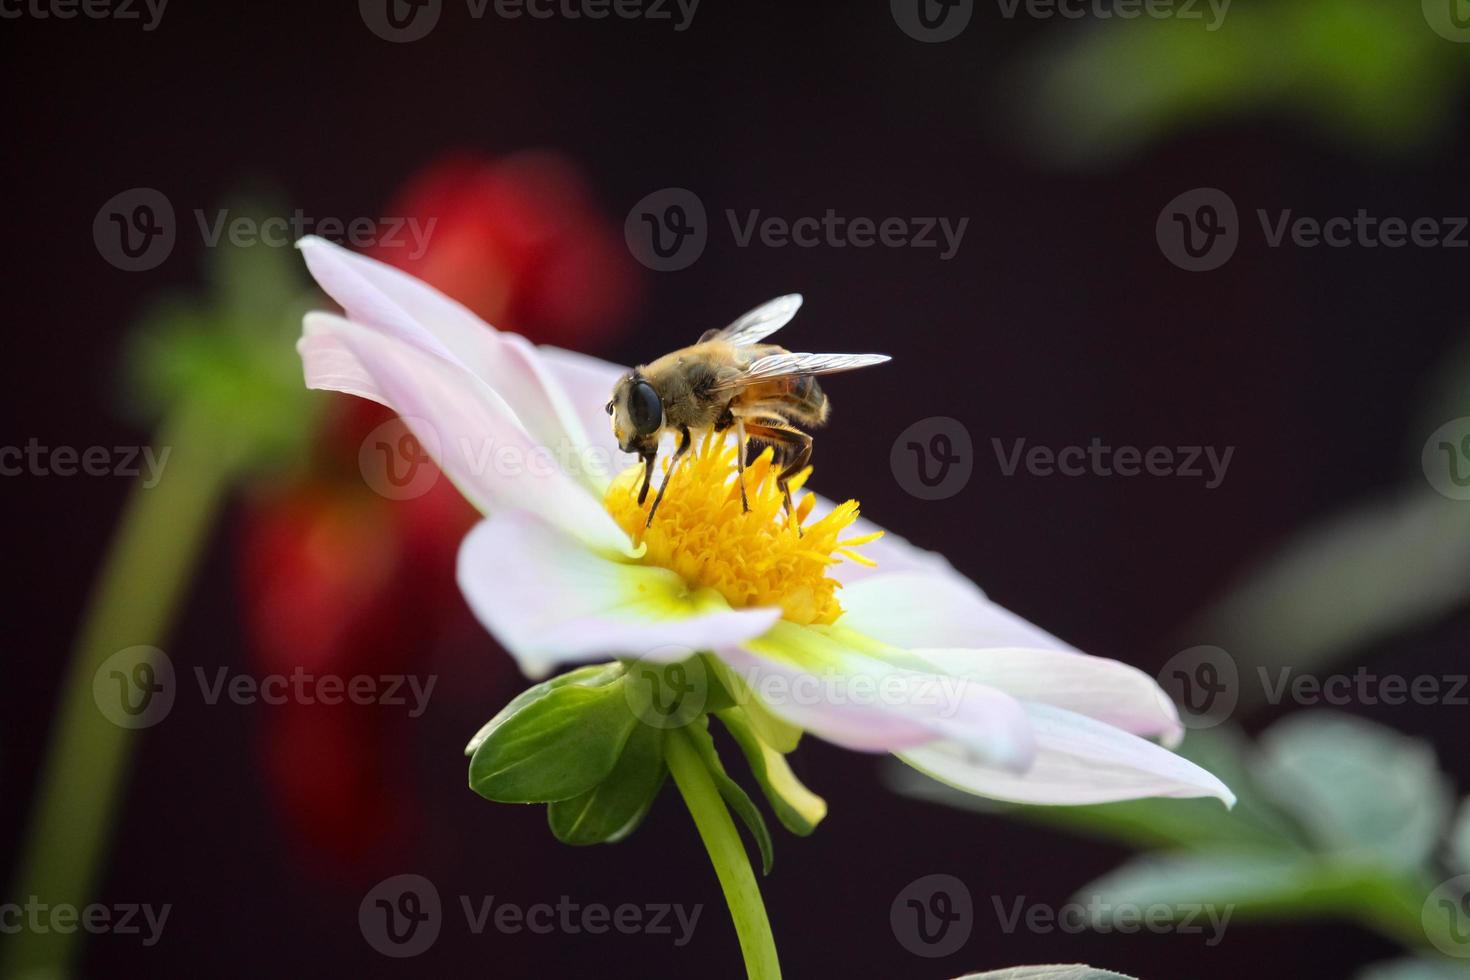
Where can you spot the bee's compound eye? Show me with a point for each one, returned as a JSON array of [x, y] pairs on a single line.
[[645, 410], [608, 408]]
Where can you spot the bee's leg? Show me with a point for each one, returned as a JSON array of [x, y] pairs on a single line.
[[799, 461], [647, 476], [728, 418], [673, 464], [740, 463], [794, 449]]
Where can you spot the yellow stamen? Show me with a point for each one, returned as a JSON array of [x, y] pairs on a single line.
[[755, 558]]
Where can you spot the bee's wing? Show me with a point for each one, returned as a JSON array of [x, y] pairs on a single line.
[[759, 323], [787, 365]]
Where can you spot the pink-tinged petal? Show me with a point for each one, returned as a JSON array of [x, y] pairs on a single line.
[[1078, 760], [1106, 690], [390, 300], [462, 423], [917, 608], [329, 364], [549, 599], [809, 679]]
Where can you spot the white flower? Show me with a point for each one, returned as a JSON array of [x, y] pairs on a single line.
[[909, 657]]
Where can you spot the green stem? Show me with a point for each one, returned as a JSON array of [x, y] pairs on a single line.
[[727, 853], [152, 556]]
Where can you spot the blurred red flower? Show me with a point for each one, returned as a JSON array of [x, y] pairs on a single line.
[[338, 580], [522, 244]]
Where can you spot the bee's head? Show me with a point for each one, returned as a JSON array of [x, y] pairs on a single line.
[[637, 415]]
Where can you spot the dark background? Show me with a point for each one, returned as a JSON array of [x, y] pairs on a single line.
[[1059, 320]]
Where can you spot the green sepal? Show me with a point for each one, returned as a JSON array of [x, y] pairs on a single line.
[[615, 807], [780, 735], [735, 797], [717, 696], [555, 747], [593, 676], [798, 808]]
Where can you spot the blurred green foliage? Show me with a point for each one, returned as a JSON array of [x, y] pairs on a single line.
[[1368, 73], [1338, 817], [231, 353]]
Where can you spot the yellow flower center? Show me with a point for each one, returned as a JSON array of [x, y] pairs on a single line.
[[760, 557]]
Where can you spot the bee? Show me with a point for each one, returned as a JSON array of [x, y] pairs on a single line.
[[729, 380]]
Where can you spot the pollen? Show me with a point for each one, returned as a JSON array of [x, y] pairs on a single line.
[[760, 557]]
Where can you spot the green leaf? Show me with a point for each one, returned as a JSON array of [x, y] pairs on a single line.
[[1253, 879], [1460, 838], [615, 807], [798, 808], [1363, 791], [554, 748], [1369, 74], [1070, 971], [735, 797], [1412, 969], [1243, 884], [593, 676]]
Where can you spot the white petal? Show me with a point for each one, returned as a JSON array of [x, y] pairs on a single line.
[[462, 422], [1109, 691], [1078, 760], [548, 599], [812, 680], [329, 364], [917, 608], [393, 302]]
